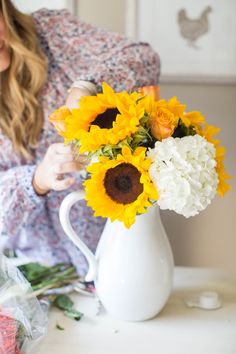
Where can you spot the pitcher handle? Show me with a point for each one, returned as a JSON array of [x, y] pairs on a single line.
[[64, 214]]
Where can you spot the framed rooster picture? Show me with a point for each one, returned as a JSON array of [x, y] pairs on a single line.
[[196, 39], [30, 6]]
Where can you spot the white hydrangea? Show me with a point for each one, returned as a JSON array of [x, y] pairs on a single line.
[[183, 171]]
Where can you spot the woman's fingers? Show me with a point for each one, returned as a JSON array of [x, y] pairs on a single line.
[[62, 158], [59, 148], [58, 160], [64, 153], [61, 184], [67, 167], [82, 159]]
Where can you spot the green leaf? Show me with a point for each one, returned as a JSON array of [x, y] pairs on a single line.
[[40, 276], [74, 314], [63, 302], [32, 270], [59, 327]]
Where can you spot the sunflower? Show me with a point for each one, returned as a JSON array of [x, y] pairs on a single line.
[[107, 118], [193, 118], [120, 188]]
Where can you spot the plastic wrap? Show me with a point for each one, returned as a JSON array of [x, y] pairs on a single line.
[[23, 322]]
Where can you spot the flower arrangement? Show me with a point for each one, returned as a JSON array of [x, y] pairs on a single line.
[[147, 151]]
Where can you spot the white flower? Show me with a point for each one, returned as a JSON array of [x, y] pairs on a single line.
[[183, 171]]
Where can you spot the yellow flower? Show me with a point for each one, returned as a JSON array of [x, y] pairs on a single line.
[[107, 118], [58, 119], [208, 132], [165, 117], [223, 186], [194, 118], [120, 189]]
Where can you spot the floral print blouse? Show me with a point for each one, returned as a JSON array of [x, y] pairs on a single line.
[[29, 224]]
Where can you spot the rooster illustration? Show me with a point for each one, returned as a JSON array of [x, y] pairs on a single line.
[[192, 29]]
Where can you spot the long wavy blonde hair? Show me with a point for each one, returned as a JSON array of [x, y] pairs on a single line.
[[21, 116]]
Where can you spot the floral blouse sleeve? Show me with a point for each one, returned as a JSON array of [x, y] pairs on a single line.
[[17, 198], [86, 52]]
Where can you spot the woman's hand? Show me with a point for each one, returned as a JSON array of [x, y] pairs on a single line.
[[58, 160], [80, 88]]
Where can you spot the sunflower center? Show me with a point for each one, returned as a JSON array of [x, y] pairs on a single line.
[[106, 119], [122, 183]]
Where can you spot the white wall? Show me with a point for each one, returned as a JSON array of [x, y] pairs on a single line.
[[107, 14]]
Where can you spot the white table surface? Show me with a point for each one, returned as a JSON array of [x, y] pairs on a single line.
[[176, 330]]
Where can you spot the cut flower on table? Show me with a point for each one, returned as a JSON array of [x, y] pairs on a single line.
[[147, 151]]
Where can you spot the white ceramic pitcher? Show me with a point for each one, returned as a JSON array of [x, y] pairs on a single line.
[[132, 268]]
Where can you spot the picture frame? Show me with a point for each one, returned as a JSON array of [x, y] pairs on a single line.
[[30, 6], [195, 39]]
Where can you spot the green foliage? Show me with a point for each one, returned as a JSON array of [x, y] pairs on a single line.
[[43, 278], [64, 303]]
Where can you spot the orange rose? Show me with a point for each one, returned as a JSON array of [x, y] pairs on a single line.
[[152, 91], [162, 124], [58, 118], [165, 118]]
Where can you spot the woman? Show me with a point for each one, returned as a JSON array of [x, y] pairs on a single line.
[[40, 56]]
